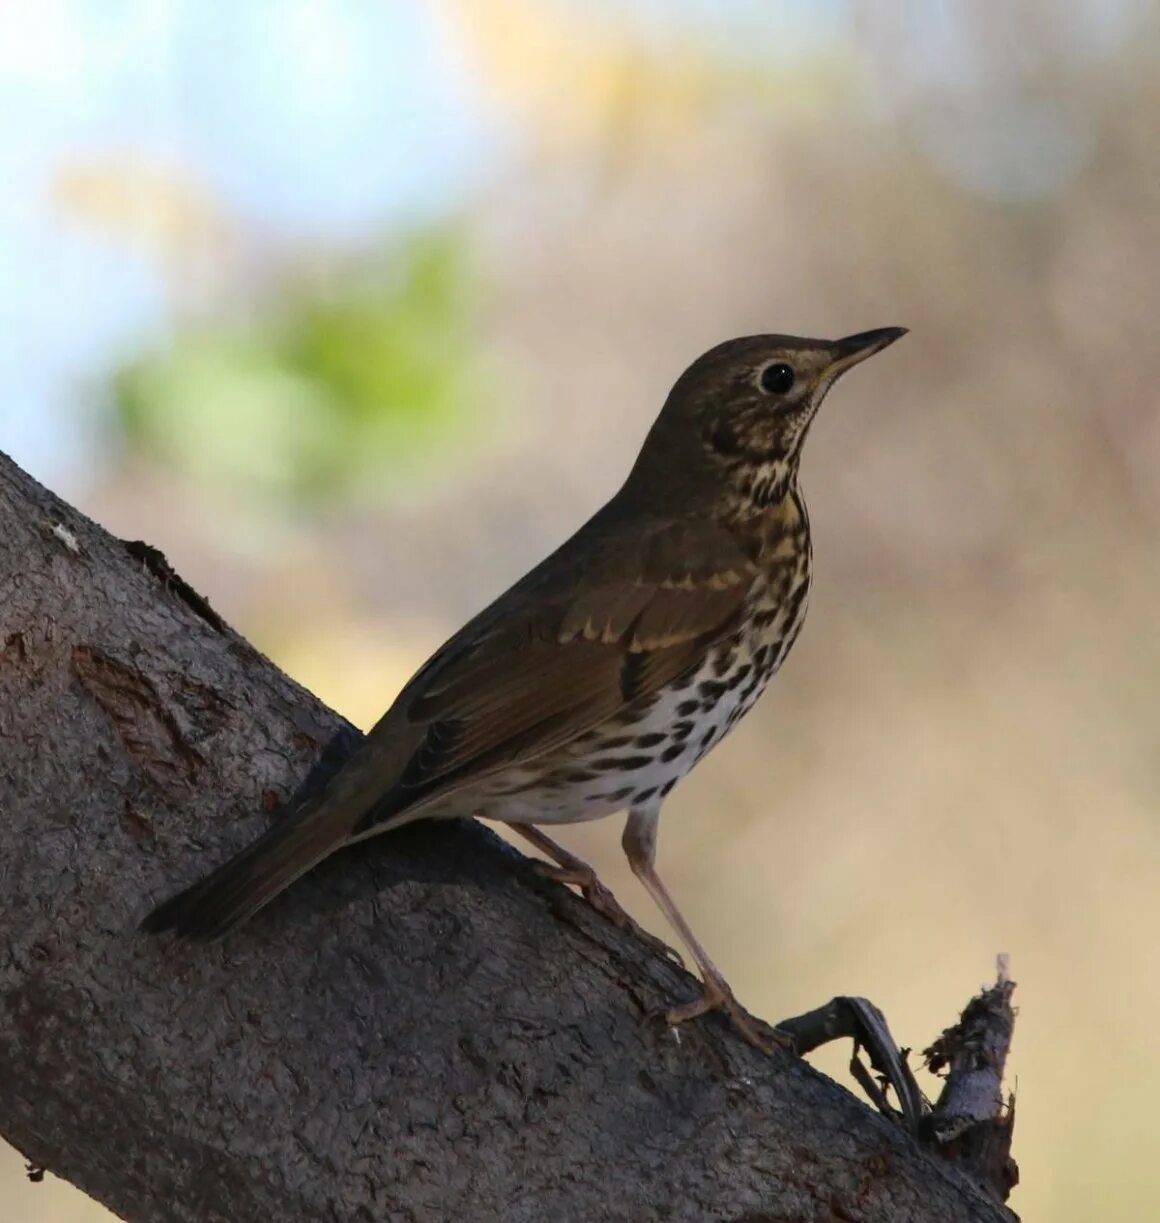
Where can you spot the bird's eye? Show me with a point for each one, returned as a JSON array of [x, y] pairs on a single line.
[[777, 378]]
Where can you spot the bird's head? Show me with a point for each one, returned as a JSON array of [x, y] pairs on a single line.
[[743, 409]]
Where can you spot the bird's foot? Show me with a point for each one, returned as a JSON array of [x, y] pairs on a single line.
[[602, 900], [717, 996]]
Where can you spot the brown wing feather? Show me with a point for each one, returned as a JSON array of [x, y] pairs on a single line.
[[539, 672]]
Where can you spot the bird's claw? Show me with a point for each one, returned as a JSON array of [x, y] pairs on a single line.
[[605, 903], [716, 996]]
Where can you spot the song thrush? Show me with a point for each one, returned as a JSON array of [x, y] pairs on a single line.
[[598, 680]]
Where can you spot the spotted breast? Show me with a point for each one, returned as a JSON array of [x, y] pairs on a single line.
[[639, 756]]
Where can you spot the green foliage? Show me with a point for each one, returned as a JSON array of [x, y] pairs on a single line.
[[331, 393]]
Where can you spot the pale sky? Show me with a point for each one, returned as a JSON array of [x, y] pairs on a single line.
[[321, 120]]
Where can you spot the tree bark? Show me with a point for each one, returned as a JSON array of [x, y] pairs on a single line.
[[421, 1029]]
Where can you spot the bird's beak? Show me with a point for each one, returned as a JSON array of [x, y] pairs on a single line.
[[855, 348]]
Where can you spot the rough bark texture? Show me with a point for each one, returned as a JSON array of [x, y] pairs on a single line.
[[972, 1124], [422, 1029]]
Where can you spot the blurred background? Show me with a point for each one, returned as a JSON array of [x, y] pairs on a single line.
[[356, 308]]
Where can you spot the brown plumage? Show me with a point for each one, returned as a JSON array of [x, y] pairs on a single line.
[[600, 678]]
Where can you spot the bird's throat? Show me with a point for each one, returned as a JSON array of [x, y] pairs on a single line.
[[757, 488]]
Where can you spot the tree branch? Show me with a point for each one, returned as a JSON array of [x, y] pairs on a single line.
[[972, 1123], [421, 1029]]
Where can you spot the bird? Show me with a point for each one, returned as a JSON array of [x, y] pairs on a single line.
[[597, 681]]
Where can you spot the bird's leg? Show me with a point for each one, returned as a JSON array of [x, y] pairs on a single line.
[[640, 844], [574, 871], [578, 873]]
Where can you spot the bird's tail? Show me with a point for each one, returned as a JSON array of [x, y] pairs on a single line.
[[248, 881], [252, 878]]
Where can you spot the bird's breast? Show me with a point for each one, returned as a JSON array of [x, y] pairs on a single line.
[[639, 756]]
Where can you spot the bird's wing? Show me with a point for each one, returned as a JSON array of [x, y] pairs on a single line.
[[602, 623], [540, 668]]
